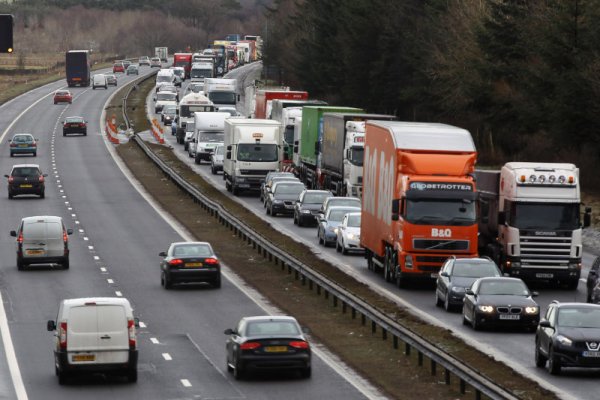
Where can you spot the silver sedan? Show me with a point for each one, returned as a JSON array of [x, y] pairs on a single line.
[[348, 234]]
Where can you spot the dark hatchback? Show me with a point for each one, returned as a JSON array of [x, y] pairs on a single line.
[[282, 197], [500, 301], [308, 206], [568, 336], [457, 275], [267, 343], [73, 125], [190, 262], [268, 182], [26, 179]]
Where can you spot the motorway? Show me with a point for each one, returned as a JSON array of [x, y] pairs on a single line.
[[114, 252], [514, 348]]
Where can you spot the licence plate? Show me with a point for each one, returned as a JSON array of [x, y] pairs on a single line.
[[510, 316], [544, 276], [197, 264], [22, 145], [84, 357], [34, 252], [591, 354], [26, 186], [276, 349]]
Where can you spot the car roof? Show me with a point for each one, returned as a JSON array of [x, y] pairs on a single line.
[[49, 218], [26, 165], [62, 91], [22, 133], [474, 260], [318, 191], [74, 117], [287, 182], [269, 318], [575, 304], [500, 278], [183, 243], [337, 208], [98, 300]]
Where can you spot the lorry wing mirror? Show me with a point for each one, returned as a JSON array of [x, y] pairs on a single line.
[[587, 217], [229, 148], [395, 209], [295, 149], [238, 97], [501, 218], [51, 326], [13, 233], [229, 155]]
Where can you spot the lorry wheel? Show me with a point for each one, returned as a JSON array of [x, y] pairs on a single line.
[[400, 280], [227, 186], [572, 285], [234, 190], [387, 275]]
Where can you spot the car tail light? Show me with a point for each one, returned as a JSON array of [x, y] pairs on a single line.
[[211, 261], [176, 262], [131, 330], [62, 335], [65, 236], [13, 145], [41, 179], [249, 346], [300, 344], [20, 238], [34, 144], [11, 179]]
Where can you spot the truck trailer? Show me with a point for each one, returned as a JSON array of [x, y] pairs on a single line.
[[342, 151], [309, 169], [419, 198], [264, 97], [530, 220], [162, 53], [78, 68], [183, 60]]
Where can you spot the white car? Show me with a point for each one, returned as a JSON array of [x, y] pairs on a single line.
[[348, 234], [164, 98], [145, 60], [95, 335], [155, 62], [216, 159]]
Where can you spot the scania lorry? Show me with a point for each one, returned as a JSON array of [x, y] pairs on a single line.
[[221, 91], [530, 220], [419, 198], [342, 151], [253, 148]]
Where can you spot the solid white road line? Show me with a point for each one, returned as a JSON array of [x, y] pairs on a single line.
[[11, 357]]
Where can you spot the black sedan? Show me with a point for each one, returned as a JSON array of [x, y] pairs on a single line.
[[457, 275], [268, 182], [500, 301], [74, 125], [267, 343], [189, 262], [308, 206], [282, 196], [568, 336], [26, 179]]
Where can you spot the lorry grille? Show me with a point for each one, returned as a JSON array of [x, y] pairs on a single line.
[[442, 245], [254, 171], [545, 251]]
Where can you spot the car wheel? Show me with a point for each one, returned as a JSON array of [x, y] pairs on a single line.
[[438, 302], [64, 134], [572, 285], [272, 212], [35, 154], [540, 359], [401, 281], [132, 375], [212, 170], [165, 281], [62, 377], [238, 372], [321, 241], [20, 265], [10, 196], [338, 248], [234, 190], [217, 282], [465, 320], [300, 221], [447, 305], [93, 87], [42, 195], [306, 372], [268, 210], [190, 155], [554, 365], [344, 249], [229, 367], [65, 264], [476, 325], [12, 154]]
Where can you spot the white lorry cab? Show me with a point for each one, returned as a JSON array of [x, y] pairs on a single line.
[[201, 70], [189, 104], [221, 91], [96, 334], [253, 148], [208, 133]]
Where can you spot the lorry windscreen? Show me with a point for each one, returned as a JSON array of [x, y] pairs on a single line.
[[211, 137], [452, 212], [188, 111], [357, 155], [201, 73], [222, 97], [257, 152], [544, 216]]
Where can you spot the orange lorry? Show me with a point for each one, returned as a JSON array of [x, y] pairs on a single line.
[[419, 198]]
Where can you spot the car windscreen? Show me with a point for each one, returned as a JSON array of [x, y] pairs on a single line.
[[192, 250], [315, 198], [271, 328], [354, 221], [338, 215], [474, 270], [23, 172], [169, 110], [62, 93], [257, 152], [579, 317], [164, 78], [512, 288], [168, 96], [22, 139], [289, 189], [222, 97]]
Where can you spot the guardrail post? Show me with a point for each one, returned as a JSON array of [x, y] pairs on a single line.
[[353, 313], [477, 394], [343, 307], [296, 274], [407, 349], [433, 368], [420, 358], [310, 284], [373, 327], [463, 386], [383, 334], [326, 294], [335, 301], [318, 289], [447, 376], [395, 342]]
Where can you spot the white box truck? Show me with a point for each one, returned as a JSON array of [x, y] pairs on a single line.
[[208, 133], [253, 149], [530, 220], [189, 104], [221, 91]]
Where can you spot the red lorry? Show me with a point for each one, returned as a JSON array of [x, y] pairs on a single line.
[[419, 198], [183, 60], [263, 98]]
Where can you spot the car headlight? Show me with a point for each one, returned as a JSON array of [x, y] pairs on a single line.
[[277, 201], [408, 261], [305, 211], [352, 236], [532, 310], [458, 289], [565, 341], [486, 309], [336, 230]]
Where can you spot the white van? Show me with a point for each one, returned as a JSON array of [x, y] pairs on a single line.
[[42, 240], [99, 80], [95, 334], [164, 77], [208, 133]]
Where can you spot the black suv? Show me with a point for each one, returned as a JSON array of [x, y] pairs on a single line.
[[74, 125], [26, 179], [568, 336]]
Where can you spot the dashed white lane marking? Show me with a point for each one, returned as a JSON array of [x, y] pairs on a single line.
[[81, 231], [119, 294], [167, 357], [154, 340], [70, 208], [102, 269], [91, 247], [76, 222], [186, 383], [86, 238], [110, 281], [142, 325], [96, 258]]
